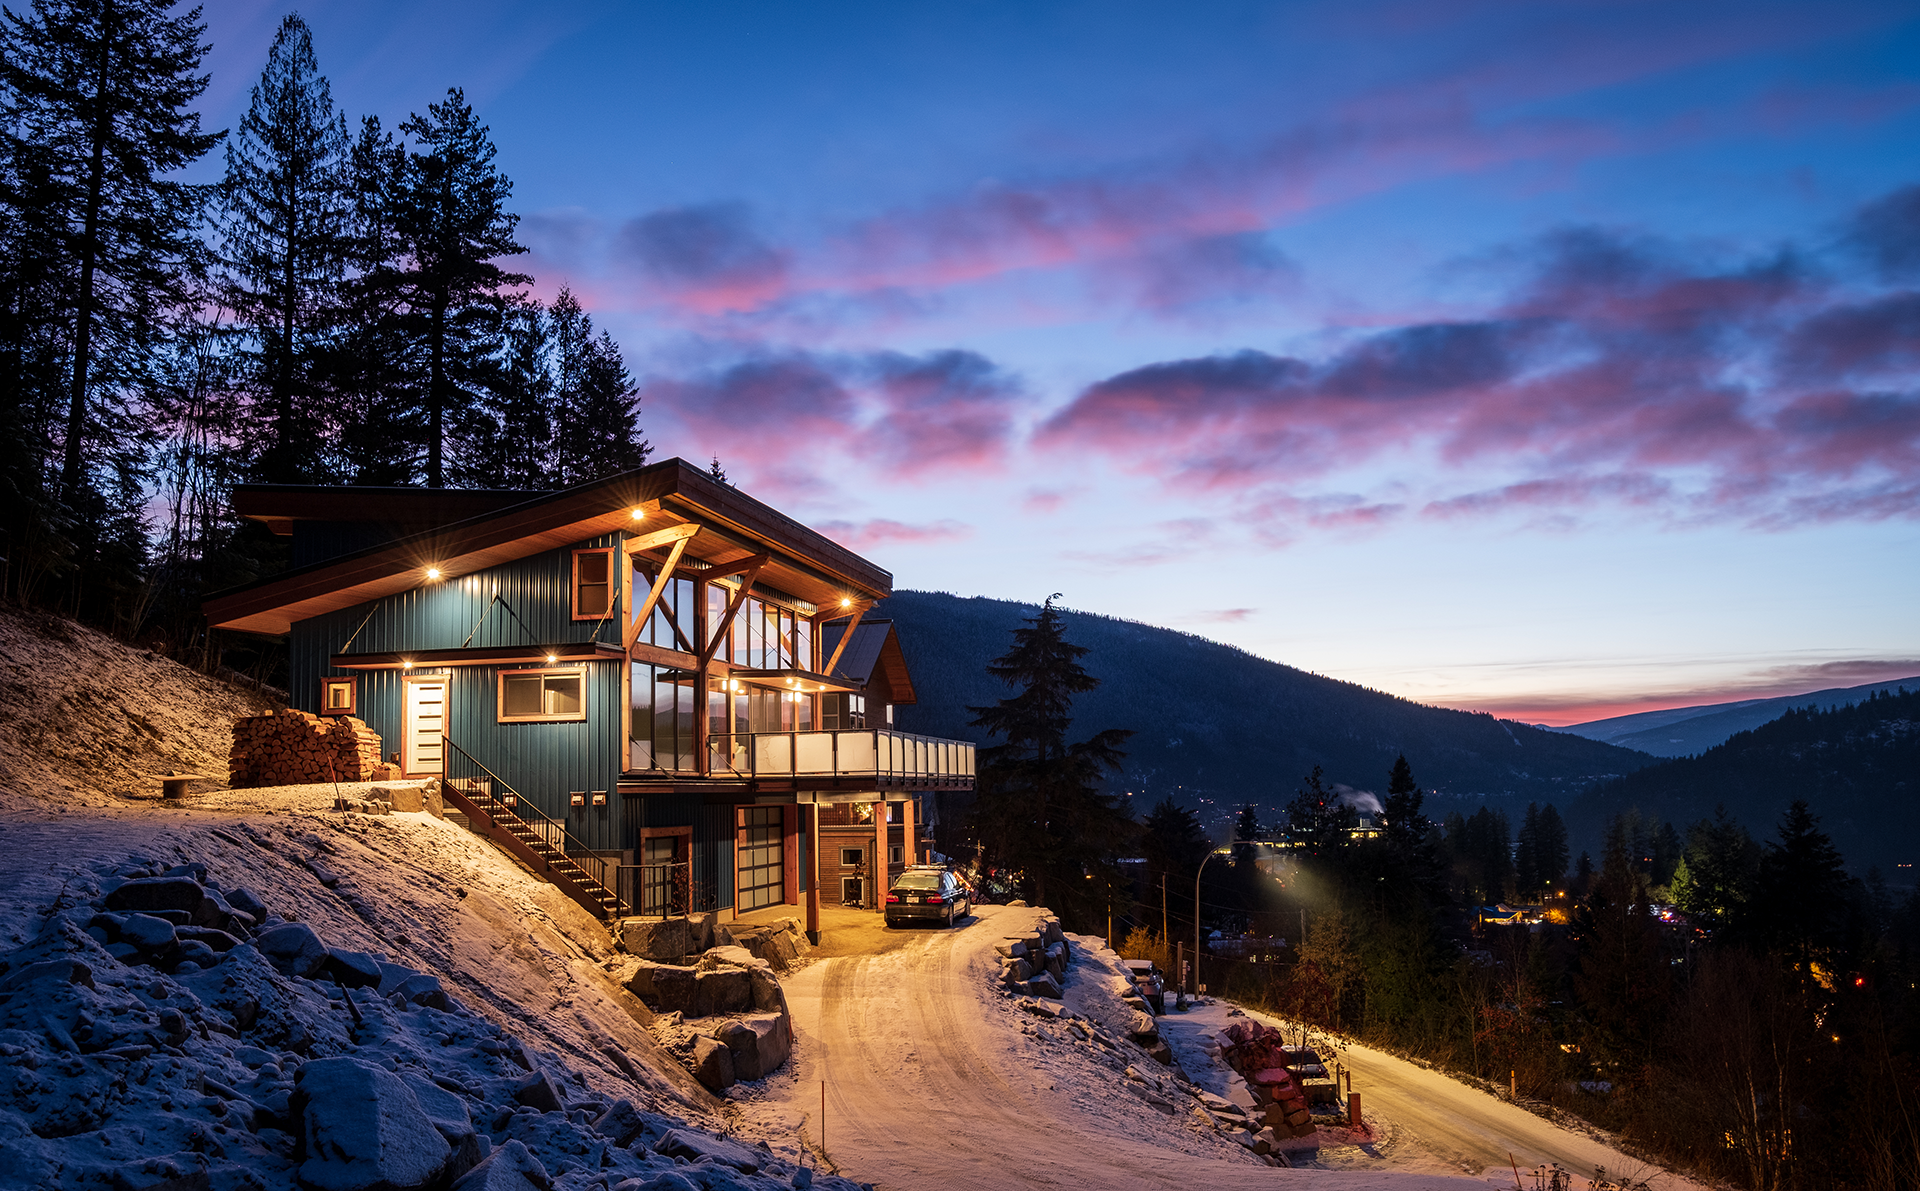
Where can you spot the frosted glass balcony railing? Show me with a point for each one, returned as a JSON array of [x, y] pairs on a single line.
[[888, 757]]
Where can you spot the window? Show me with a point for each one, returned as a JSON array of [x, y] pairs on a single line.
[[592, 583], [529, 695], [843, 711], [895, 854], [852, 857], [337, 696]]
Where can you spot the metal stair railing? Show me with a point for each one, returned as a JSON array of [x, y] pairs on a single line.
[[510, 819]]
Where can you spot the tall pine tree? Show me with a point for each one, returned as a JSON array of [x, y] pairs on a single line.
[[99, 92], [1039, 809], [285, 248], [453, 220]]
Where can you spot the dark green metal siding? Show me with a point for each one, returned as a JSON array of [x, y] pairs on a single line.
[[544, 761]]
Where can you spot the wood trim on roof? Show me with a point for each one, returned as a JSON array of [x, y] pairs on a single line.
[[674, 492], [490, 655]]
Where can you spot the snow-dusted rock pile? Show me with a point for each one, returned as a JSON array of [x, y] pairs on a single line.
[[1277, 1074], [167, 1034], [290, 747], [726, 981], [1035, 964]]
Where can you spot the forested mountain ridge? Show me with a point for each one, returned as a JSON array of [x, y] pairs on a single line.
[[1215, 724], [1687, 731], [1857, 767]]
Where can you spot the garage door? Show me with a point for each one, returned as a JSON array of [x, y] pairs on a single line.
[[762, 878]]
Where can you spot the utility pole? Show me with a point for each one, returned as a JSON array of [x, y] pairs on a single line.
[[1163, 908]]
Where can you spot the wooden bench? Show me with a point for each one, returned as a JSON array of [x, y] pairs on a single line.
[[174, 785]]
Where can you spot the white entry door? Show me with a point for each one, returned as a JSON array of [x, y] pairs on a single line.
[[426, 721]]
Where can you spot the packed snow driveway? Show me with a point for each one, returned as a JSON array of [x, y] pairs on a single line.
[[936, 1079]]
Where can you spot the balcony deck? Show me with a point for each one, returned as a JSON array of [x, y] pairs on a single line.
[[845, 758]]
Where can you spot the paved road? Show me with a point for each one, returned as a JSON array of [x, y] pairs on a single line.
[[927, 1086]]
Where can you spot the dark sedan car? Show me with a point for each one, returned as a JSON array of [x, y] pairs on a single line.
[[927, 893]]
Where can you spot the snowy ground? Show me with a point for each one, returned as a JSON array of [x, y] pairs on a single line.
[[933, 1076], [1420, 1119], [935, 1079]]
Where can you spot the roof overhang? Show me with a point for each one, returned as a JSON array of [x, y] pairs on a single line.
[[802, 562], [492, 655]]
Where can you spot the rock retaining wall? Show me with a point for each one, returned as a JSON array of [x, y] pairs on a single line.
[[291, 748], [1035, 963]]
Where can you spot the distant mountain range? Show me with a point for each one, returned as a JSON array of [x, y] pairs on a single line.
[[1689, 731], [1857, 766], [1218, 727]]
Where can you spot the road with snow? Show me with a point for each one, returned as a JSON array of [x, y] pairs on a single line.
[[932, 1083], [1461, 1126]]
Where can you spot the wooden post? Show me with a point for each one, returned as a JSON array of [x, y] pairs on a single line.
[[1353, 1112], [877, 869], [909, 850], [811, 825]]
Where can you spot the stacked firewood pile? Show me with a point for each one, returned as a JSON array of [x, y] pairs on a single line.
[[290, 748], [1276, 1074]]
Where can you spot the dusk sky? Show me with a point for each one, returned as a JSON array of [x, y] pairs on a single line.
[[1556, 360]]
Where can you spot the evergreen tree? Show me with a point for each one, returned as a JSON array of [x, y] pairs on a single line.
[[1622, 978], [521, 442], [1721, 862], [1527, 877], [1318, 822], [285, 249], [1039, 808], [1406, 827], [1246, 825], [453, 220], [1173, 845], [716, 473], [1801, 891], [376, 368], [98, 94], [1550, 848], [596, 424]]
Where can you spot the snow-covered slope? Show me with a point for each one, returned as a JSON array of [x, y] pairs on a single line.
[[84, 717]]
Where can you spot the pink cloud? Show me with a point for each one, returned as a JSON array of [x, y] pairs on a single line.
[[880, 531], [1618, 375]]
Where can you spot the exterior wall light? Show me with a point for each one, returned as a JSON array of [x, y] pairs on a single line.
[[406, 665], [639, 514], [551, 659], [846, 603], [433, 572]]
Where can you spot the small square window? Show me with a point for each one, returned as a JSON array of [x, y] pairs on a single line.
[[895, 854], [592, 583], [852, 857], [536, 695], [338, 696]]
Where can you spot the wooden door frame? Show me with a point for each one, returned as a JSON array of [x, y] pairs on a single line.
[[406, 722]]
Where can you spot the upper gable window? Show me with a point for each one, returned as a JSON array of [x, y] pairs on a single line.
[[338, 696], [528, 696], [592, 583]]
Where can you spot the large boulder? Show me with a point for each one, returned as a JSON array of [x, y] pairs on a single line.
[[352, 969], [669, 939], [512, 1167], [671, 987], [768, 996], [364, 1129], [538, 1091], [730, 955], [759, 1042], [158, 893], [293, 949], [721, 991], [449, 1115], [685, 1143], [713, 1064], [1044, 985]]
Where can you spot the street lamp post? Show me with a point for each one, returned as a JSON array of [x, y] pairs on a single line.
[[1196, 917]]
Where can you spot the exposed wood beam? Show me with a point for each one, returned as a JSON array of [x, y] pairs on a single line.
[[654, 655], [645, 610], [672, 534], [722, 570], [845, 637], [718, 633]]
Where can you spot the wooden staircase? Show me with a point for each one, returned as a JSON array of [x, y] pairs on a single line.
[[502, 814]]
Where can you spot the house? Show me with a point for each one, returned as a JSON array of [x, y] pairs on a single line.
[[652, 688]]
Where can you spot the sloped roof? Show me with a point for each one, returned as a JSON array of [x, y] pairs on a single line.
[[874, 649], [733, 526]]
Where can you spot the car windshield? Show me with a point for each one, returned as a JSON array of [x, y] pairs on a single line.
[[918, 881]]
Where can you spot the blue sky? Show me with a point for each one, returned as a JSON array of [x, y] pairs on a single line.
[[1557, 360]]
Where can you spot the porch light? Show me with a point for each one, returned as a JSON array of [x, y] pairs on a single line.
[[406, 664], [846, 603], [433, 572], [551, 659], [639, 514]]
